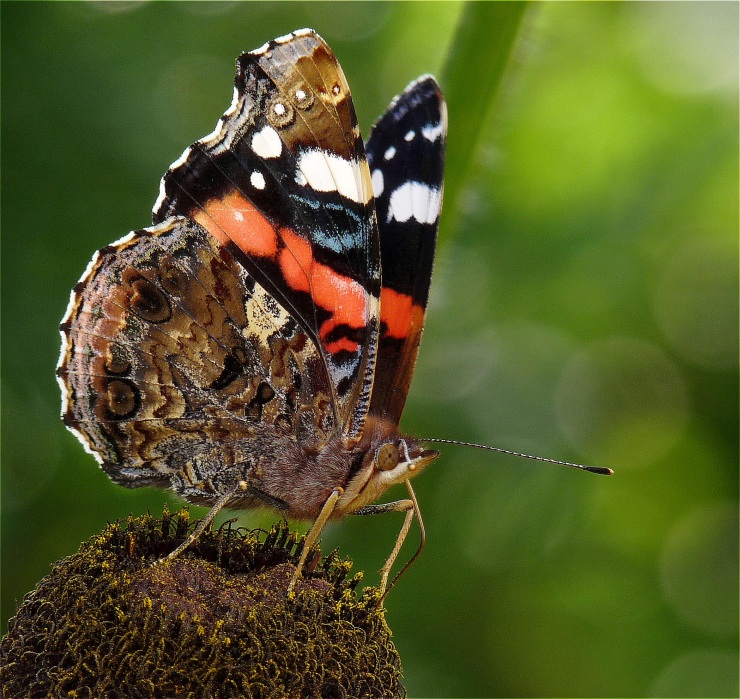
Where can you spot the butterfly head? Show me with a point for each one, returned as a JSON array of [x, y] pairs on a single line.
[[386, 462], [397, 460]]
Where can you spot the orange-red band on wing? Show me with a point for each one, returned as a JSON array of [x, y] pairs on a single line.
[[399, 314], [234, 218], [332, 291]]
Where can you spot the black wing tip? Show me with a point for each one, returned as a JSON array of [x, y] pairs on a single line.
[[427, 86], [427, 80]]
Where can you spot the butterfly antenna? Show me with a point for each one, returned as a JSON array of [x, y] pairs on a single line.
[[601, 470]]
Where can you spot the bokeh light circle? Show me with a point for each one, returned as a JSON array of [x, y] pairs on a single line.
[[699, 673], [696, 304], [669, 40], [699, 569], [622, 403]]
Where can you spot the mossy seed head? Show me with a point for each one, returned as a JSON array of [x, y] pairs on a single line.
[[216, 622]]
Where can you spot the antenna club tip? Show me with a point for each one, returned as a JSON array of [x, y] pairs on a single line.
[[601, 470]]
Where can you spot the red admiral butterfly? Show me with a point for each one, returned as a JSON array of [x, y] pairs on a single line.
[[247, 350], [256, 345]]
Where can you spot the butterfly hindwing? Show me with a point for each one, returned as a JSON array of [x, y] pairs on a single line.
[[405, 152], [283, 184], [178, 368]]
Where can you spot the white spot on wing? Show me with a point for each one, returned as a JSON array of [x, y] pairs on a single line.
[[222, 137], [286, 38], [327, 172], [160, 197], [388, 155], [185, 155], [266, 143], [213, 138], [414, 200], [378, 182], [257, 179], [409, 136], [86, 444], [62, 383], [121, 241], [432, 131], [162, 194], [234, 106]]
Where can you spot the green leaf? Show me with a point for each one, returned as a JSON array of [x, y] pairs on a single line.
[[475, 67]]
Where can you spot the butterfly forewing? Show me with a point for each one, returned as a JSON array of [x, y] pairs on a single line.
[[405, 152], [283, 184]]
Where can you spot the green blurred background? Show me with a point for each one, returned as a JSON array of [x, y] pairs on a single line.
[[584, 307]]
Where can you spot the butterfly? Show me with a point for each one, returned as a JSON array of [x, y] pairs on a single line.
[[255, 346]]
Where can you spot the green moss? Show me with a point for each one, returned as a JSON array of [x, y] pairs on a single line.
[[216, 622]]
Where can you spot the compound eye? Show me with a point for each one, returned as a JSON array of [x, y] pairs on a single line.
[[387, 457]]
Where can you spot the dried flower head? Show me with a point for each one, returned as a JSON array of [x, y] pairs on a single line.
[[216, 622]]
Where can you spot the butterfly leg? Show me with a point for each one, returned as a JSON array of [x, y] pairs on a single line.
[[315, 532], [411, 508], [206, 521]]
